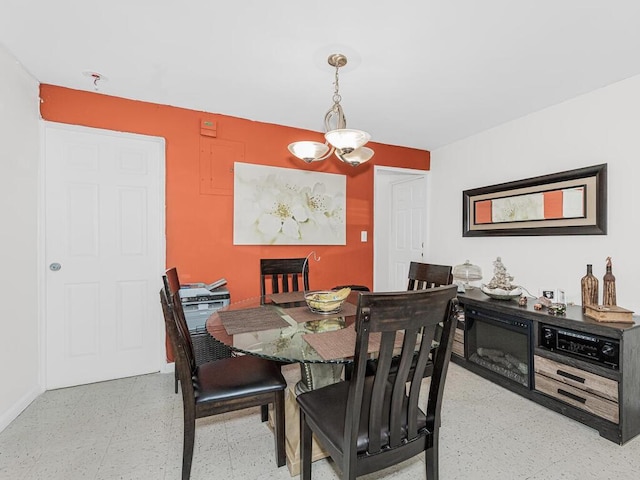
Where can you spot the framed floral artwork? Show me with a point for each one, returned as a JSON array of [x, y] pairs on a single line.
[[284, 206]]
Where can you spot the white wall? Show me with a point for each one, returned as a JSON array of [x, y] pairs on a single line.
[[19, 156], [600, 127]]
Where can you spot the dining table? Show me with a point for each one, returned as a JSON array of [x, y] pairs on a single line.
[[281, 327]]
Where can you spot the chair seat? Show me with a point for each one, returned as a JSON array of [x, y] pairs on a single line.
[[236, 377], [336, 395]]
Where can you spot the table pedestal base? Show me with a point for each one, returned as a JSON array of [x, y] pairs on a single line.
[[318, 375], [292, 435]]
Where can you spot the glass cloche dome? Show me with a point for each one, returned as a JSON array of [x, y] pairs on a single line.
[[465, 273]]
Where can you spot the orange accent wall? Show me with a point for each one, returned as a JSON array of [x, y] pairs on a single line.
[[199, 218]]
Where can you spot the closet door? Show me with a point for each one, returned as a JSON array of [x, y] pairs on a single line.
[[104, 254]]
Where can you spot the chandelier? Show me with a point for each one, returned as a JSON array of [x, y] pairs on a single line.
[[347, 144]]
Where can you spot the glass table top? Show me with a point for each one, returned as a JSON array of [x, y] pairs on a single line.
[[286, 342]]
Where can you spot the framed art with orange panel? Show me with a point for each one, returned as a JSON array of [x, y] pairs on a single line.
[[565, 203]]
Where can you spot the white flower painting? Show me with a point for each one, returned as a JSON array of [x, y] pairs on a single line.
[[283, 206]]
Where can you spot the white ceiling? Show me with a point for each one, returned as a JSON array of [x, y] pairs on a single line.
[[421, 73]]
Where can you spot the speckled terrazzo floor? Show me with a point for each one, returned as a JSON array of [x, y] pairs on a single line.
[[132, 429]]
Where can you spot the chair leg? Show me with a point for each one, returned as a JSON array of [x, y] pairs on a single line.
[[264, 412], [348, 371], [281, 457], [175, 379], [305, 448], [431, 457], [188, 441]]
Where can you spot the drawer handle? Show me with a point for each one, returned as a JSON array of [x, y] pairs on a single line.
[[570, 376], [572, 396]]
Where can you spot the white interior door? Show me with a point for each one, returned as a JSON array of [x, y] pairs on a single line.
[[408, 231], [104, 253]]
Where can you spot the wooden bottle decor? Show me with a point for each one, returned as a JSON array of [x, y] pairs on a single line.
[[609, 286], [589, 288]]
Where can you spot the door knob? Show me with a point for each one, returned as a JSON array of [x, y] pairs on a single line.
[[54, 267]]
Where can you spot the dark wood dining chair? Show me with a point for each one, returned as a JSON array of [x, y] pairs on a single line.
[[207, 348], [421, 276], [279, 275], [221, 386], [428, 275], [373, 422]]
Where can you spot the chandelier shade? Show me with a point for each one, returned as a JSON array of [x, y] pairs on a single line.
[[310, 151], [358, 156], [347, 144], [347, 140]]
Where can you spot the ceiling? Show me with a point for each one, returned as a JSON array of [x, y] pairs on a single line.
[[420, 73]]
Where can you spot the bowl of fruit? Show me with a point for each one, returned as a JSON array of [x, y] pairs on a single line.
[[326, 301]]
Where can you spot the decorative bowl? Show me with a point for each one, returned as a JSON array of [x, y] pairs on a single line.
[[501, 294], [326, 301]]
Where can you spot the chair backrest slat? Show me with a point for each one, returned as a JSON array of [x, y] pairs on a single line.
[[393, 406], [167, 290], [416, 380], [380, 390], [398, 414], [172, 281]]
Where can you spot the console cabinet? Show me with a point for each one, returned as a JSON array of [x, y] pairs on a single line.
[[601, 393], [458, 342], [457, 347]]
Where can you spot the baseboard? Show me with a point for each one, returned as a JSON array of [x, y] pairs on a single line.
[[168, 368], [16, 409]]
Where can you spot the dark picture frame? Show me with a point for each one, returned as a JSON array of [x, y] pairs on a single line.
[[573, 202]]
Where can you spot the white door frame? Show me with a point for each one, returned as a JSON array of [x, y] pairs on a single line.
[[161, 261], [382, 179]]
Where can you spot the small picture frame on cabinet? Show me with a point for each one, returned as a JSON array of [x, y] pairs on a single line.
[[553, 295]]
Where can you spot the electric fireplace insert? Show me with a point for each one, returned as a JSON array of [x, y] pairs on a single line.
[[500, 344]]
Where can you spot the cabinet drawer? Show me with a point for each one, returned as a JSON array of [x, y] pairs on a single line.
[[578, 398], [589, 382], [458, 343]]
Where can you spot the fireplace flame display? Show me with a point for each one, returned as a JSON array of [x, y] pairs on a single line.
[[500, 344], [502, 363]]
